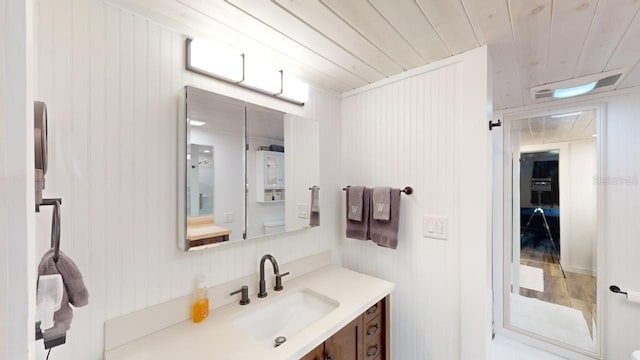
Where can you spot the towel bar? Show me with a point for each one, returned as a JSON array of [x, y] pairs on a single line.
[[407, 190]]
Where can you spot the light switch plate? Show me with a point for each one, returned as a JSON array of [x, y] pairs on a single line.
[[434, 226], [228, 217], [303, 211]]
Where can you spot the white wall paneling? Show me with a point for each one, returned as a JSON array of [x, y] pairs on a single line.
[[428, 130], [4, 269], [17, 265], [622, 226], [111, 80]]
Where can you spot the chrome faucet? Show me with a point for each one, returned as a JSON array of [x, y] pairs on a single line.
[[276, 271]]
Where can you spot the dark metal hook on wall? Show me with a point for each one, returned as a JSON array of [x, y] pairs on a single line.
[[55, 224], [494, 124]]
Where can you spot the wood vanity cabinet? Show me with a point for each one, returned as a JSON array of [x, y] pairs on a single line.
[[364, 338]]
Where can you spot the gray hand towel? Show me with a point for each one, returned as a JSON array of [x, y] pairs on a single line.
[[381, 203], [359, 229], [385, 233], [314, 218], [355, 202], [74, 293]]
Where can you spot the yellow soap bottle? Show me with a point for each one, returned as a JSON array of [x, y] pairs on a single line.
[[200, 307]]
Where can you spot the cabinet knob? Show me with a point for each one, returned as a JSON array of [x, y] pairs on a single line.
[[331, 357], [373, 330], [373, 309], [373, 351]]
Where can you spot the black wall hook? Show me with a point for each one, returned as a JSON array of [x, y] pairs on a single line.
[[616, 289], [494, 124]]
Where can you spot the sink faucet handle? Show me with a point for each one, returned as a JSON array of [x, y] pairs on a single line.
[[278, 286], [244, 298]]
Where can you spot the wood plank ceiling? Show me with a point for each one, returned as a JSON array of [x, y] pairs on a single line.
[[579, 126], [345, 44]]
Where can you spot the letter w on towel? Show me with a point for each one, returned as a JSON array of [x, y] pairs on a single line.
[[381, 203]]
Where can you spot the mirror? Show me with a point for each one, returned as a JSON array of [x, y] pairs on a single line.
[[553, 167], [245, 171], [199, 180]]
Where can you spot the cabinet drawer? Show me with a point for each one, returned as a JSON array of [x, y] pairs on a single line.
[[373, 311], [374, 349], [373, 329]]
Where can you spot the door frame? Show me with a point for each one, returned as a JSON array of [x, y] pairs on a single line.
[[503, 230]]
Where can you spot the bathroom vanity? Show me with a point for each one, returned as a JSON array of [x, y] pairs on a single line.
[[330, 313]]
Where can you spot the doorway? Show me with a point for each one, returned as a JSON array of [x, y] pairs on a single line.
[[551, 234]]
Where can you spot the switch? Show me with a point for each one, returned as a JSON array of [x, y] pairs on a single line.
[[228, 217], [435, 227], [438, 226]]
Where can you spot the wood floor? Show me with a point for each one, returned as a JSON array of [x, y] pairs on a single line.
[[577, 291]]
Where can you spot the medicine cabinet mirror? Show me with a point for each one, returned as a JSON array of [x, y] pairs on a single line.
[[553, 227], [245, 171]]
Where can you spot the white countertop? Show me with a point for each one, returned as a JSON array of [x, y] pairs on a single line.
[[217, 337]]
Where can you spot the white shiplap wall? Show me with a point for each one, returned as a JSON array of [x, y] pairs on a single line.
[[622, 332], [111, 79], [428, 131]]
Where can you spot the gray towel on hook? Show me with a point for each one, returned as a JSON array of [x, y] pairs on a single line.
[[74, 292], [385, 233], [381, 203], [355, 202], [359, 229], [314, 218]]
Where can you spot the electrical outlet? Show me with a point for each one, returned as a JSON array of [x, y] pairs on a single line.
[[435, 227]]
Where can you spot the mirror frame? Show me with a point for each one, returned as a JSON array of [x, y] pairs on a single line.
[[601, 288]]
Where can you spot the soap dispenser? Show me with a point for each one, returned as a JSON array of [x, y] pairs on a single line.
[[200, 307]]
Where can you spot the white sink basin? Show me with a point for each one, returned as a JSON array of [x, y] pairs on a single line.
[[285, 316]]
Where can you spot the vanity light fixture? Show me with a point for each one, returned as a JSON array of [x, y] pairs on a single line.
[[293, 88], [261, 77], [216, 61], [222, 64]]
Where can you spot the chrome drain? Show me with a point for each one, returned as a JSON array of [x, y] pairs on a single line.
[[280, 340]]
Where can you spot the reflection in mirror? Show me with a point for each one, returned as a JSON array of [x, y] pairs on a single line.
[[215, 171], [245, 171], [553, 241], [199, 180], [282, 167]]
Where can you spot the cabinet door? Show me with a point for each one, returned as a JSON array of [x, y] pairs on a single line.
[[346, 344], [315, 354]]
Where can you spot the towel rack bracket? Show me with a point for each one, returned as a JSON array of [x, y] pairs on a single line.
[[49, 202]]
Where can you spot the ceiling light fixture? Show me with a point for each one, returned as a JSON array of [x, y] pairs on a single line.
[[556, 116], [245, 71], [574, 91], [196, 123]]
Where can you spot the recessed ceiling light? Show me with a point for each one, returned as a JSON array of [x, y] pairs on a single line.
[[566, 115], [196, 123], [207, 151], [574, 91], [594, 135]]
